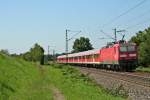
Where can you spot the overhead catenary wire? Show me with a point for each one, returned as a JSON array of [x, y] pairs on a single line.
[[104, 38], [137, 17], [74, 35], [142, 22], [107, 35], [124, 13]]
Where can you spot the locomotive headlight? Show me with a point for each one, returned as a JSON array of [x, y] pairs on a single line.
[[132, 55], [123, 55]]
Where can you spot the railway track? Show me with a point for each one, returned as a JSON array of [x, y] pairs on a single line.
[[126, 77]]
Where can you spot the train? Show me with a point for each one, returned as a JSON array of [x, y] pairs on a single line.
[[118, 56]]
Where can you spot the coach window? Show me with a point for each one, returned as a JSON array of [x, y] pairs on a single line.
[[76, 58], [96, 56], [87, 57], [90, 56], [84, 57], [80, 57]]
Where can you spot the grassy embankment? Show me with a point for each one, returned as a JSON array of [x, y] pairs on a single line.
[[20, 80], [143, 69], [76, 86]]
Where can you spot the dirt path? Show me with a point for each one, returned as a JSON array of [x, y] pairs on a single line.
[[57, 94]]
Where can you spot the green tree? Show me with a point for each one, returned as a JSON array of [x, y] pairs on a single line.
[[37, 53], [82, 44], [5, 51], [139, 38], [142, 39], [144, 54], [27, 56]]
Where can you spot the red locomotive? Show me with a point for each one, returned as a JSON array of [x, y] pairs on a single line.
[[115, 56]]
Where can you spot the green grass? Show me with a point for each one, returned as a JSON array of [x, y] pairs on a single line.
[[143, 69], [76, 86], [20, 80]]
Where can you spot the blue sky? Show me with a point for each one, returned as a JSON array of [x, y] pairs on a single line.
[[26, 22]]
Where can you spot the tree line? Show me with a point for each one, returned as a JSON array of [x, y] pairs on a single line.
[[142, 39], [35, 54]]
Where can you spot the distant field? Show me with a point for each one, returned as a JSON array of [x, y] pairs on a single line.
[[21, 80], [143, 69]]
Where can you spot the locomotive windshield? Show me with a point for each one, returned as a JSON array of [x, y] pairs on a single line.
[[128, 48], [123, 49], [131, 48]]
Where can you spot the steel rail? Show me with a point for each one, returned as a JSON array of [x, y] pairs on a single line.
[[134, 79]]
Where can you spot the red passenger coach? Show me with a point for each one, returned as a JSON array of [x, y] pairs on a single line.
[[87, 57], [116, 56]]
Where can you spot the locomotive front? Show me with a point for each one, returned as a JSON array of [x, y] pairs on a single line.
[[128, 56]]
